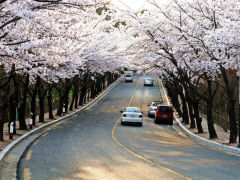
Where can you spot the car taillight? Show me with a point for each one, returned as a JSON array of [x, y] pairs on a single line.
[[124, 115], [140, 116]]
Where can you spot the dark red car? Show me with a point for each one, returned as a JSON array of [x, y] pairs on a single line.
[[164, 113]]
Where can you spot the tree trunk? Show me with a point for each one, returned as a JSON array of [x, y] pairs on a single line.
[[233, 124], [12, 112], [50, 106], [1, 129], [211, 129], [21, 110], [41, 106], [174, 97], [197, 117], [2, 118], [190, 110], [82, 95], [60, 105], [73, 98], [33, 104], [93, 92], [231, 102], [88, 97], [185, 118], [76, 97], [66, 98]]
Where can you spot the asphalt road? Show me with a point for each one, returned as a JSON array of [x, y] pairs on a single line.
[[93, 144]]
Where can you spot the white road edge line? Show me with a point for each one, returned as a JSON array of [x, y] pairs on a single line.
[[222, 147], [14, 143]]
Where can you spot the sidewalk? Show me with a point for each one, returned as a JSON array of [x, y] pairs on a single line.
[[223, 136]]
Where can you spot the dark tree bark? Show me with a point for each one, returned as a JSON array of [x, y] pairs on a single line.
[[41, 107], [2, 118], [185, 118], [82, 95], [209, 101], [211, 129], [197, 117], [63, 94], [88, 96], [230, 88], [41, 95], [33, 103], [22, 105], [66, 99], [73, 97], [173, 94], [93, 91], [76, 97], [60, 105], [12, 112], [190, 110], [50, 100], [233, 124]]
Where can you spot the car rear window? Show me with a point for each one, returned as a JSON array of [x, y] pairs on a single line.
[[128, 75], [164, 109], [156, 104], [132, 110]]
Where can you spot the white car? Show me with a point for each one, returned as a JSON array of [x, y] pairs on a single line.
[[132, 115], [148, 82], [128, 78]]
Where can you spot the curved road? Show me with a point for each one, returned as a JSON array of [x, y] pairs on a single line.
[[93, 145]]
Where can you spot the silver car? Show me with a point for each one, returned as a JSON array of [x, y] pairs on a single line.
[[153, 107], [148, 82]]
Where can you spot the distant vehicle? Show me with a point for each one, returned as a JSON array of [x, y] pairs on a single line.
[[128, 72], [164, 113], [128, 78], [148, 82], [153, 107], [132, 115]]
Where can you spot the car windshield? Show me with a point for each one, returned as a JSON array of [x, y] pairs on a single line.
[[165, 109], [132, 110], [156, 104], [128, 75]]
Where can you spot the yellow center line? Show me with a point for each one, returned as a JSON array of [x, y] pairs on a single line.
[[29, 154], [45, 134], [36, 142], [134, 92], [137, 154], [26, 174]]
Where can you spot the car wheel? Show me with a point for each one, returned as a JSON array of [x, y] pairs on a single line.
[[155, 122], [171, 123], [140, 124], [122, 123]]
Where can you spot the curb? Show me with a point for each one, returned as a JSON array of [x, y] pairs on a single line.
[[17, 141], [222, 147]]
